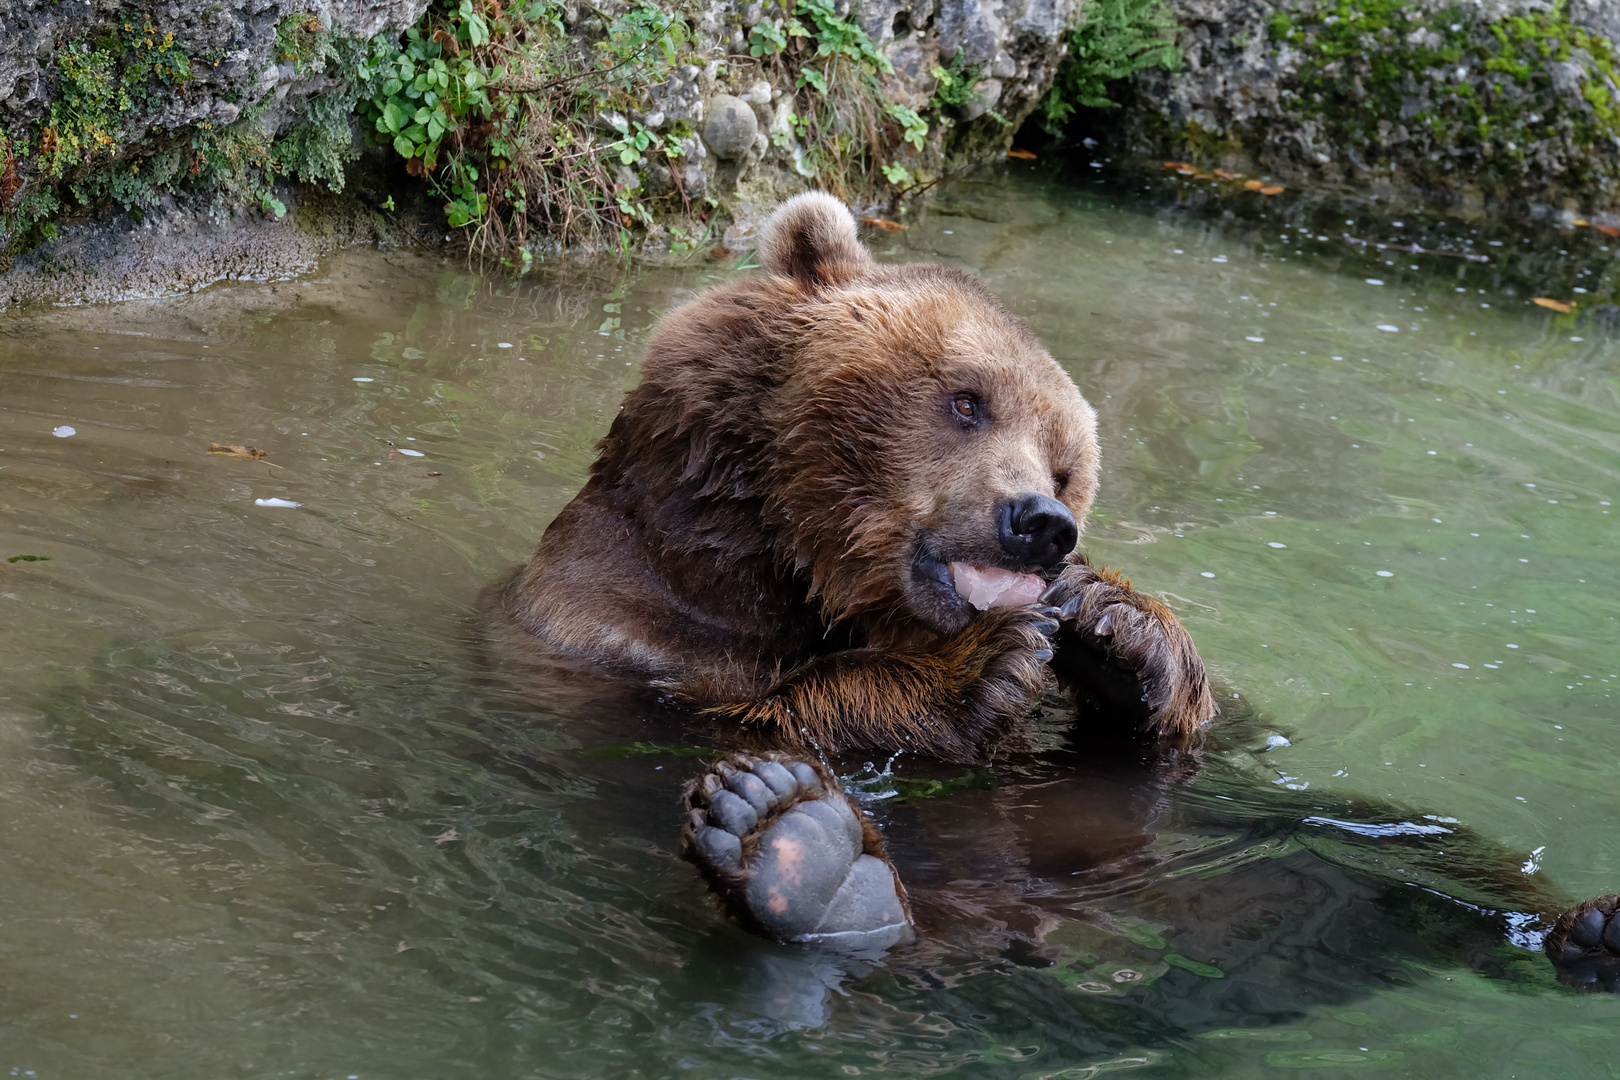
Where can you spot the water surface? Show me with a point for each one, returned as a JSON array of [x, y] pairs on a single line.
[[265, 809]]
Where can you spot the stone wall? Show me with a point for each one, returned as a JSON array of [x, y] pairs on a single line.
[[1486, 102], [244, 67], [230, 46]]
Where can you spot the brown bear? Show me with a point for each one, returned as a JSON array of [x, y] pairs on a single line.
[[788, 516], [842, 508], [840, 512]]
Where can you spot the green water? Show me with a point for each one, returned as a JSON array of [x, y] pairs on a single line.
[[265, 809]]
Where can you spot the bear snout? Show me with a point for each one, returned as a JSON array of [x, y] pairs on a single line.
[[1037, 530]]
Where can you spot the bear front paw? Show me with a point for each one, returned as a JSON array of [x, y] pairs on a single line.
[[1584, 945], [1141, 659], [1009, 649], [789, 854]]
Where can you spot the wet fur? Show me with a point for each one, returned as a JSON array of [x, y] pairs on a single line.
[[749, 534]]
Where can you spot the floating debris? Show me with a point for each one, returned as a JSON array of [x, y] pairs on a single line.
[[1413, 249], [251, 453]]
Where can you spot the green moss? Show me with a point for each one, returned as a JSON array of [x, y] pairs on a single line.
[[100, 83], [301, 41], [1473, 87]]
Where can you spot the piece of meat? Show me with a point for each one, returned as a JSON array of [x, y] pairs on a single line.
[[987, 587]]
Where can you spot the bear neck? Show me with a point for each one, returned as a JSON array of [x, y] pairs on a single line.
[[685, 467]]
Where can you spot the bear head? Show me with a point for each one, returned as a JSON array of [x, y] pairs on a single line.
[[917, 427]]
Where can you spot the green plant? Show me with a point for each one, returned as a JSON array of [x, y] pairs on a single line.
[[133, 185], [300, 41], [1114, 40], [236, 163], [766, 39], [496, 109], [27, 218], [954, 88], [99, 84], [841, 112]]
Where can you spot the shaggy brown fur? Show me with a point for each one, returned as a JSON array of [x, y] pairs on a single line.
[[764, 528]]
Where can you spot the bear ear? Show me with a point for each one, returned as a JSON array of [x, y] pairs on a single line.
[[811, 238]]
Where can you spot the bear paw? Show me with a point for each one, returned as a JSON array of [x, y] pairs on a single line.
[[789, 854], [1141, 658], [1008, 649], [1585, 944]]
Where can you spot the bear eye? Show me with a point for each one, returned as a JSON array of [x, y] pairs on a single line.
[[1059, 482], [966, 407]]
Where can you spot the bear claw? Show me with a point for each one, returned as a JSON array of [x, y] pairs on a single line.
[[1584, 944], [1145, 659], [790, 856]]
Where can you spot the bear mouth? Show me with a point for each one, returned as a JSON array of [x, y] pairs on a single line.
[[962, 587]]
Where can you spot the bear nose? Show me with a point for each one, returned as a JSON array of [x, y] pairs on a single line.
[[1037, 529]]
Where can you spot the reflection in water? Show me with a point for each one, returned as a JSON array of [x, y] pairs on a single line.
[[268, 811]]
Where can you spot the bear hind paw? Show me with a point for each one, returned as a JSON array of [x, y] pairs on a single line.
[[1584, 944], [790, 856]]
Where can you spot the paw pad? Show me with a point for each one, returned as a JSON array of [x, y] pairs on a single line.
[[1584, 944], [788, 853]]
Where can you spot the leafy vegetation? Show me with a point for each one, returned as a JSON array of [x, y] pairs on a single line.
[[497, 110], [99, 85], [102, 84], [301, 40], [106, 84], [523, 126], [954, 89], [848, 127], [1114, 40]]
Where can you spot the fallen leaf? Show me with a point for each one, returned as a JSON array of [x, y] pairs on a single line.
[[882, 223], [1581, 221], [1554, 305], [252, 453], [721, 253], [447, 41], [1228, 174], [1274, 189], [1607, 230], [1177, 165], [1021, 154], [1253, 185]]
